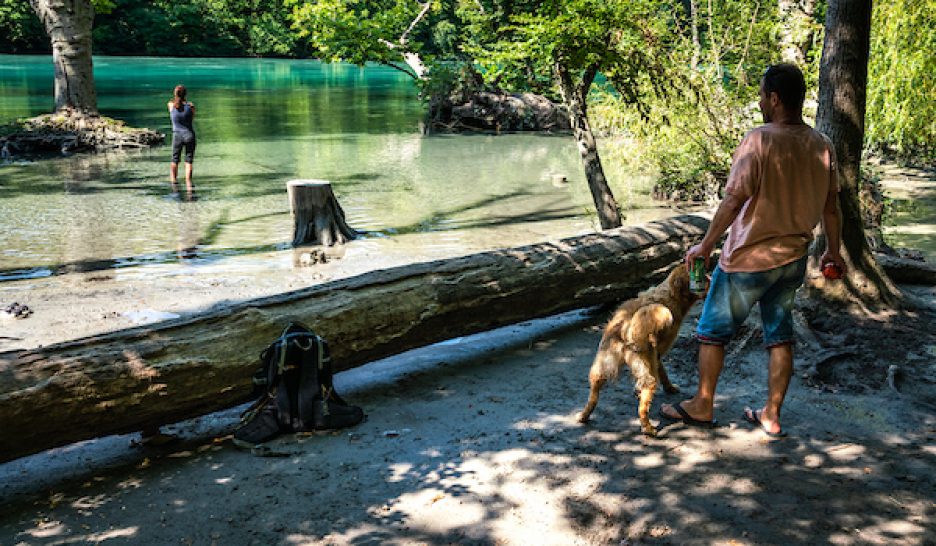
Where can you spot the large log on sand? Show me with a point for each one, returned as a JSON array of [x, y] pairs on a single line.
[[148, 376]]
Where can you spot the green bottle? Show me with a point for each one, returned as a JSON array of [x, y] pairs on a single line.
[[697, 284]]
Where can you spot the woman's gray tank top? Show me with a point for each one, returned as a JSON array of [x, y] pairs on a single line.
[[182, 119]]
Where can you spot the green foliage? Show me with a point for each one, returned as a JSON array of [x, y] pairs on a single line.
[[519, 45], [20, 29], [196, 28], [382, 31], [455, 81], [901, 107], [103, 6], [687, 101], [689, 106], [665, 100]]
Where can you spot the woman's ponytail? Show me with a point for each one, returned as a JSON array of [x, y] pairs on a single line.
[[178, 96]]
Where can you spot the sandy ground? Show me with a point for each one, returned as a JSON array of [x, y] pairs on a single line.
[[473, 441]]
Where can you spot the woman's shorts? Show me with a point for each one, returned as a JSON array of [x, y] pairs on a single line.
[[732, 295], [183, 140]]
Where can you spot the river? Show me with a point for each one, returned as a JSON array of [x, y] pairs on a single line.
[[261, 123]]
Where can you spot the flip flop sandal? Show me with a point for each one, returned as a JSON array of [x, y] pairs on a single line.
[[687, 419], [753, 416]]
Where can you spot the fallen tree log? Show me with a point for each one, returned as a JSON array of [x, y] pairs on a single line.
[[149, 376]]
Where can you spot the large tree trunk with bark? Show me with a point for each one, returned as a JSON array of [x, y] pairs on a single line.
[[144, 377], [574, 95], [843, 79], [68, 24]]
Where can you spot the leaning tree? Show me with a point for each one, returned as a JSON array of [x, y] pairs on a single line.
[[571, 42], [843, 79], [68, 24]]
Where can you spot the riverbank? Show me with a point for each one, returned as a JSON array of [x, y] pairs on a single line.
[[474, 441]]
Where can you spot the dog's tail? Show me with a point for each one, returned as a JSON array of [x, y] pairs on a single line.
[[646, 325]]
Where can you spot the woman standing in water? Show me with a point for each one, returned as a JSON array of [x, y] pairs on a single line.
[[182, 114]]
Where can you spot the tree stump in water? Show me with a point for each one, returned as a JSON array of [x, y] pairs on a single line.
[[317, 216]]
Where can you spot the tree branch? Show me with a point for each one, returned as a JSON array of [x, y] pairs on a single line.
[[422, 14], [406, 70], [588, 77]]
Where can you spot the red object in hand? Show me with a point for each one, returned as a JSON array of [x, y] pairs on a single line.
[[831, 271]]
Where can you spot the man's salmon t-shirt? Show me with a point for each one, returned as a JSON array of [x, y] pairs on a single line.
[[784, 173]]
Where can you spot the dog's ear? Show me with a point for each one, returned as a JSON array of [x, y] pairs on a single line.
[[679, 282]]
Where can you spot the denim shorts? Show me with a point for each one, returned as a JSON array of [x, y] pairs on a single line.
[[732, 295]]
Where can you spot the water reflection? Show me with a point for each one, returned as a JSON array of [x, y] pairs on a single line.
[[190, 238]]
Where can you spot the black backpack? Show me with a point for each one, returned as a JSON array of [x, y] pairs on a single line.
[[295, 390]]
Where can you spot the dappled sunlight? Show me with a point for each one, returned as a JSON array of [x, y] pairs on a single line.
[[649, 461], [56, 532], [434, 510], [130, 483], [127, 532], [483, 447], [47, 529], [89, 502], [721, 482], [398, 472]]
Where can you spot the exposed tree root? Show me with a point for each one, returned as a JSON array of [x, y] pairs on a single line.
[[68, 132], [819, 354]]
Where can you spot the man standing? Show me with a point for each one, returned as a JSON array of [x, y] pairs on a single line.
[[782, 183]]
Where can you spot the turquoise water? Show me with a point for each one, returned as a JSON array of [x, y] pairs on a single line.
[[259, 124]]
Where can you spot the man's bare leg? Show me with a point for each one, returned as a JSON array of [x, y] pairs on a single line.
[[701, 406], [778, 380]]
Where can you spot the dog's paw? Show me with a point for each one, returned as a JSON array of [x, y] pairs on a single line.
[[648, 429], [671, 389], [582, 418]]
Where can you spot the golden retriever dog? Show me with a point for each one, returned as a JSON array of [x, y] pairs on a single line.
[[639, 334]]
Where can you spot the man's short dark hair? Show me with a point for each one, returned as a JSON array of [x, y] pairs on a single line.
[[786, 80]]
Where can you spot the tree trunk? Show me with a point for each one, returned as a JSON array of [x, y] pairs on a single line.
[[843, 79], [575, 97], [149, 376], [318, 218], [68, 24]]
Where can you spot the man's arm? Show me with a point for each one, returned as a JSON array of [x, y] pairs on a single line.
[[726, 213], [832, 229]]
